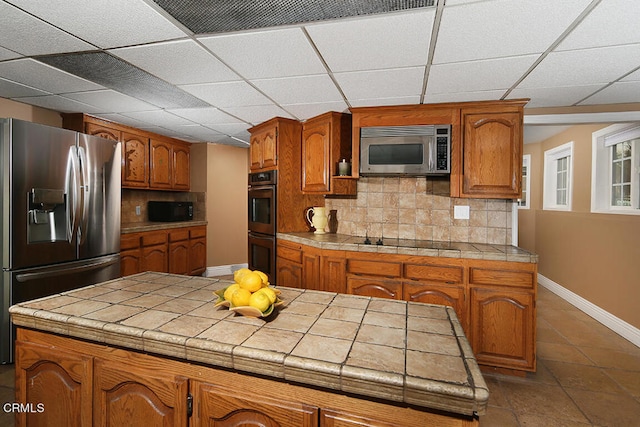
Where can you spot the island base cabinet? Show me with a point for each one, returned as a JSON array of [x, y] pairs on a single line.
[[81, 383]]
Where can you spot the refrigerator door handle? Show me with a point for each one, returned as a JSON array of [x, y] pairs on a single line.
[[61, 271], [83, 175], [71, 190]]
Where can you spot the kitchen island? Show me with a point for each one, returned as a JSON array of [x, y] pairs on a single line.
[[153, 346]]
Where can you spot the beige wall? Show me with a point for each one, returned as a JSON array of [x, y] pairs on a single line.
[[593, 255], [18, 110], [226, 193]]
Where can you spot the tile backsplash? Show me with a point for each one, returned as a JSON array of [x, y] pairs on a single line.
[[420, 208], [133, 198]]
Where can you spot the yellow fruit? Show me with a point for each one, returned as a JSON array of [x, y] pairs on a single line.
[[269, 293], [263, 276], [240, 297], [237, 275], [229, 291], [259, 300], [250, 281]]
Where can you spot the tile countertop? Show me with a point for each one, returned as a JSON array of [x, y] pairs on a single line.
[[392, 350], [412, 247], [134, 227]]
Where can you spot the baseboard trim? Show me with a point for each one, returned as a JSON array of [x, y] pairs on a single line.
[[222, 270], [612, 322]]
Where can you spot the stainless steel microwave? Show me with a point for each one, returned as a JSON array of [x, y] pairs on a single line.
[[405, 150], [170, 211]]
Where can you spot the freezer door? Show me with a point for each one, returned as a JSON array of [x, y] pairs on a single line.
[[99, 218], [38, 211], [25, 285]]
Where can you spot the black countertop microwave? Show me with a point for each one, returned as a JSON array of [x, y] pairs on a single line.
[[170, 211]]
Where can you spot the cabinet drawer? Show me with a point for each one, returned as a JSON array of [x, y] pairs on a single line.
[[374, 268], [433, 273], [177, 235], [197, 232], [293, 255], [129, 241], [154, 239], [481, 276]]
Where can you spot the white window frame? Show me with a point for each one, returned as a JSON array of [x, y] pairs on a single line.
[[550, 186], [526, 165], [601, 181]]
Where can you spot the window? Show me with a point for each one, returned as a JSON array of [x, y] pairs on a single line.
[[558, 167], [523, 201], [615, 178]]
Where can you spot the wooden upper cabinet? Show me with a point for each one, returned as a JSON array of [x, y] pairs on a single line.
[[325, 140], [491, 154], [264, 148], [148, 160], [135, 160]]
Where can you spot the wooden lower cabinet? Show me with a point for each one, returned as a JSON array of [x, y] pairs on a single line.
[[454, 296], [179, 251], [81, 384], [374, 287]]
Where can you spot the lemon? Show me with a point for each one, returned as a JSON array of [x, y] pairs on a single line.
[[260, 300], [240, 297], [237, 275], [229, 291], [269, 293], [250, 281], [263, 277]]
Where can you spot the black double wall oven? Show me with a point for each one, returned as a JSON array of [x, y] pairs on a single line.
[[262, 222]]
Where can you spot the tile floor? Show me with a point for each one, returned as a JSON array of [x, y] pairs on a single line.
[[587, 376]]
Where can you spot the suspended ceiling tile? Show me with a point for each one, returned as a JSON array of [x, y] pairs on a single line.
[[55, 102], [619, 92], [233, 141], [381, 83], [204, 115], [198, 132], [500, 73], [178, 62], [612, 22], [374, 102], [266, 54], [8, 54], [9, 89], [583, 67], [158, 118], [635, 76], [41, 76], [372, 43], [106, 24], [227, 94], [494, 29], [301, 89], [256, 114], [27, 35], [488, 95], [230, 128], [110, 101], [309, 110], [554, 96], [122, 119]]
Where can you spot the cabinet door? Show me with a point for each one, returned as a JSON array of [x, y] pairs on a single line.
[[452, 296], [332, 418], [503, 327], [197, 256], [374, 287], [333, 273], [263, 149], [311, 268], [492, 155], [130, 262], [161, 164], [222, 407], [134, 396], [135, 160], [102, 132], [181, 162], [179, 257], [288, 273], [154, 258], [316, 158], [56, 382]]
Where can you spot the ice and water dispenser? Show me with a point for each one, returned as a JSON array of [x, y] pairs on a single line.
[[48, 216]]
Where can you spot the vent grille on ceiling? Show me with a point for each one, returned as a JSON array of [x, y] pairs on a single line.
[[210, 16], [113, 73]]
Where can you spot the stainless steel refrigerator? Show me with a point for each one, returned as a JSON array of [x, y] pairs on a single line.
[[60, 210]]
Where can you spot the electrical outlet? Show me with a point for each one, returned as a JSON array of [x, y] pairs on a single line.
[[461, 212], [138, 210]]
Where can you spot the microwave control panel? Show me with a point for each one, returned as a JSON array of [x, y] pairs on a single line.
[[443, 148]]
